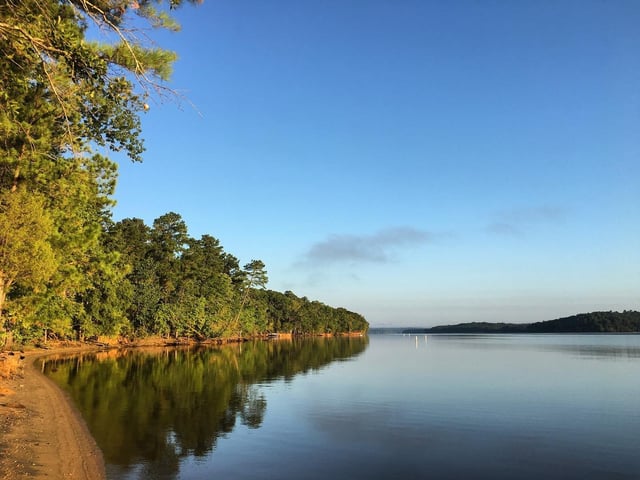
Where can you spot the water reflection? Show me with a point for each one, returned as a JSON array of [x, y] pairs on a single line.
[[600, 346], [148, 409]]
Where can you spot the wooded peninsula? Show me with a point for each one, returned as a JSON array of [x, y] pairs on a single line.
[[594, 322], [67, 269]]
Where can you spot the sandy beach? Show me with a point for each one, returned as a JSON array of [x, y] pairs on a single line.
[[42, 434]]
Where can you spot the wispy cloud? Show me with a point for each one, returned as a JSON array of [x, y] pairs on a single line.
[[502, 228], [517, 221], [373, 248]]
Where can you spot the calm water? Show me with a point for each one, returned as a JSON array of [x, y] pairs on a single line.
[[473, 406]]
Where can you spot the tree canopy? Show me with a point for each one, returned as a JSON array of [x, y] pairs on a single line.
[[62, 91]]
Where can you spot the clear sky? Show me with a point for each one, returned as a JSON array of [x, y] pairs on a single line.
[[420, 162]]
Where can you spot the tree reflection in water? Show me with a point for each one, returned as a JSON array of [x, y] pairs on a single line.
[[149, 408]]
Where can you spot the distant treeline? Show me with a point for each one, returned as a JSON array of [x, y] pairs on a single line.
[[595, 322]]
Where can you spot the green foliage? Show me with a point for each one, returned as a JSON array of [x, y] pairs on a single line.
[[186, 287], [105, 302], [26, 256], [255, 274], [289, 313]]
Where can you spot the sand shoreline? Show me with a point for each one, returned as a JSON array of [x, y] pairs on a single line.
[[43, 434]]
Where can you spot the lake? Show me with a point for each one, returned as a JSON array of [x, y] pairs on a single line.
[[377, 407]]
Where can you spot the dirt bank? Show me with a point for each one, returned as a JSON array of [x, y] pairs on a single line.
[[42, 435]]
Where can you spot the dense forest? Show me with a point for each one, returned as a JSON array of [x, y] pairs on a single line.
[[594, 322], [66, 268], [157, 280]]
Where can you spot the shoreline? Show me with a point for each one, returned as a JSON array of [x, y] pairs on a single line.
[[44, 436]]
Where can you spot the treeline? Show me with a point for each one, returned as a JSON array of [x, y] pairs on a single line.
[[627, 321], [162, 282], [180, 286], [66, 268]]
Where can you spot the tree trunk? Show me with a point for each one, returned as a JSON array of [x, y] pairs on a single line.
[[4, 335], [8, 342], [16, 176]]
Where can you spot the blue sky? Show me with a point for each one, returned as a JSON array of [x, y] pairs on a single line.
[[420, 162]]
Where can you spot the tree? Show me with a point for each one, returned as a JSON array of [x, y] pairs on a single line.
[[168, 239], [252, 276], [202, 262], [25, 254], [256, 274], [84, 91]]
